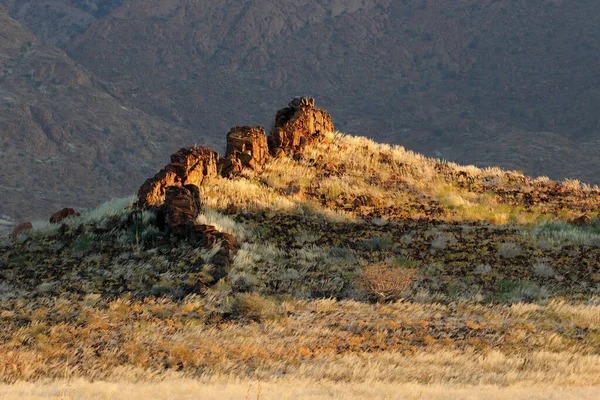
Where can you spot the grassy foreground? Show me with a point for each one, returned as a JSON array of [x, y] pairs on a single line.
[[364, 271], [187, 389]]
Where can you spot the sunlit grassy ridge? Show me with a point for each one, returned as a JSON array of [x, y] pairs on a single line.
[[485, 274], [403, 184]]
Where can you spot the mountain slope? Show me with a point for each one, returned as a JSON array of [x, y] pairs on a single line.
[[55, 22], [449, 79], [65, 139]]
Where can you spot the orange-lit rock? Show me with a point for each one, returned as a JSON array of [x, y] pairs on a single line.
[[248, 145], [297, 126], [189, 166]]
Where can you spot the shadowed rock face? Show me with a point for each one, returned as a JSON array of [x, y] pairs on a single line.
[[297, 126], [62, 214], [21, 228], [182, 205], [248, 145], [189, 166]]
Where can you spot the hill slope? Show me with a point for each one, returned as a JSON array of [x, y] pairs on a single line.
[[294, 268], [65, 136]]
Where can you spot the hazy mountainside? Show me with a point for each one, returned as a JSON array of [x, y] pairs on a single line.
[[65, 139], [453, 78], [56, 21]]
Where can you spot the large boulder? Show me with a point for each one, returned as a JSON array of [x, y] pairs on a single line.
[[248, 146], [62, 214], [21, 228], [181, 207], [208, 236], [297, 126], [189, 166]]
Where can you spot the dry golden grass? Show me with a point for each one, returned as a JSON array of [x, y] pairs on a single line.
[[335, 172], [385, 282], [298, 389], [317, 341]]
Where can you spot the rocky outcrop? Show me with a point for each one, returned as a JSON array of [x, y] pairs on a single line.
[[182, 206], [62, 214], [297, 126], [21, 228], [189, 166], [247, 146]]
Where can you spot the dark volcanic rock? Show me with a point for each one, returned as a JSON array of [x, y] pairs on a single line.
[[182, 206], [62, 214], [21, 228], [297, 126], [189, 166], [208, 236]]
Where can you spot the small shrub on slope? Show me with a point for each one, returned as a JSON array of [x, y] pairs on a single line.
[[384, 282]]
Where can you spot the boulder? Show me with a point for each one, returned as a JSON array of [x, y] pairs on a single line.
[[297, 126], [229, 167], [189, 166], [582, 220], [21, 228], [208, 236], [181, 207], [62, 214], [247, 145]]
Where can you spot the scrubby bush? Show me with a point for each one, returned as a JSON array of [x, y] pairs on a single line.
[[569, 233], [509, 250], [252, 306], [385, 282]]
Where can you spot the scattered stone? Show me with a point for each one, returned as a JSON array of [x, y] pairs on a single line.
[[58, 216], [189, 166], [582, 220], [21, 228], [365, 200], [297, 126]]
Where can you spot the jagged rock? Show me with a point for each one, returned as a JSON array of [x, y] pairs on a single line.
[[229, 167], [208, 236], [297, 126], [182, 206], [248, 145], [21, 228], [62, 214], [189, 166]]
